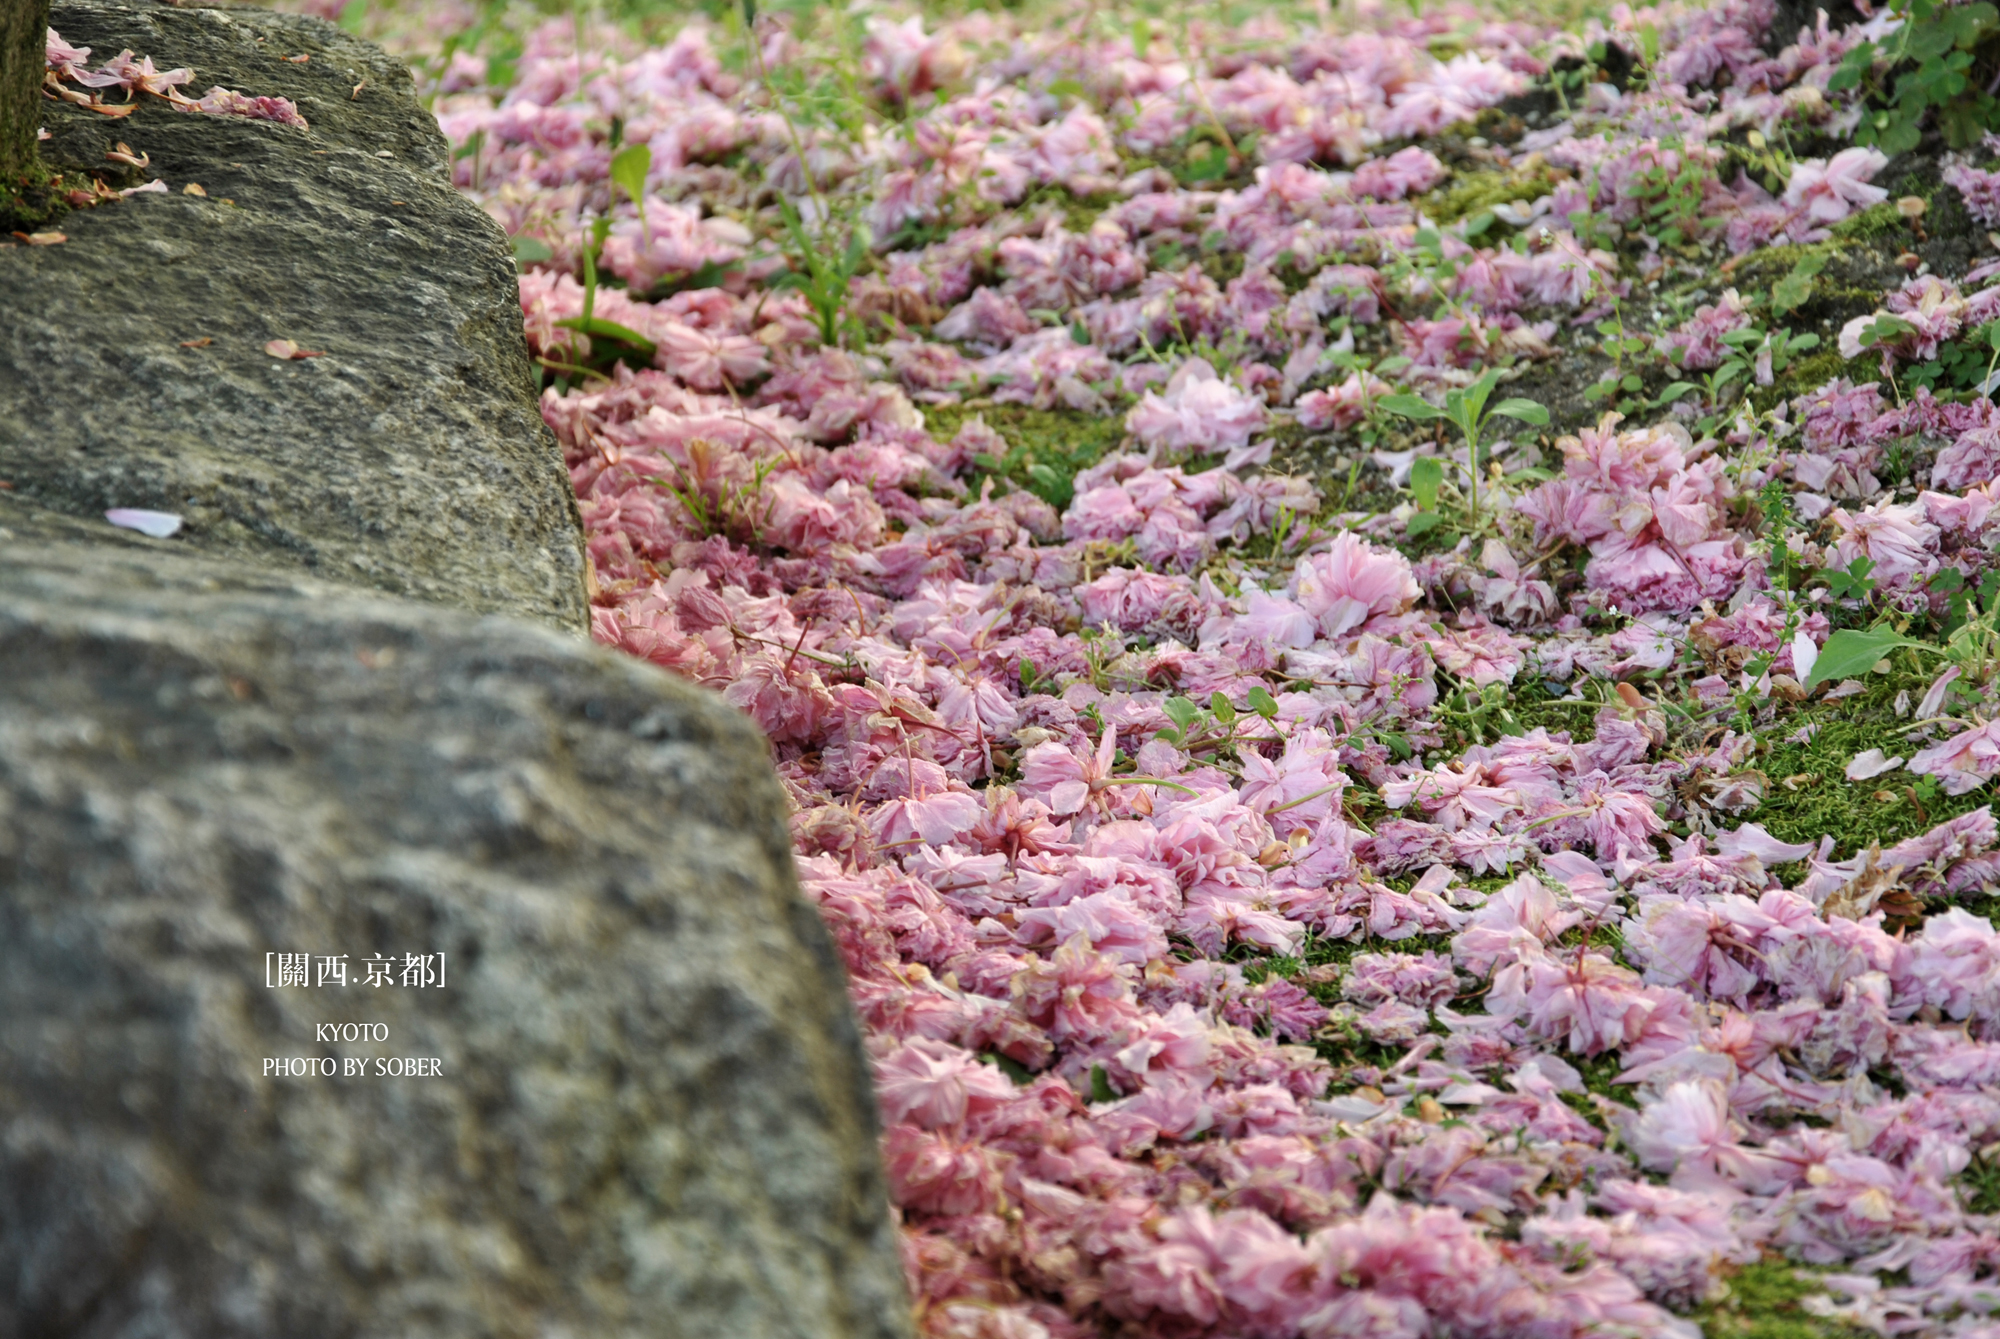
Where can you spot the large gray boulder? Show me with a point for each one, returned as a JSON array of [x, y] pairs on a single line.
[[650, 1113], [411, 457]]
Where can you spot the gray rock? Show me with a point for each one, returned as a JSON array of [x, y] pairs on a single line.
[[653, 1116], [411, 457]]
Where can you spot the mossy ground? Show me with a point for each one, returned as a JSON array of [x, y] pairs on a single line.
[[1045, 447], [30, 201], [1821, 801], [1763, 1302]]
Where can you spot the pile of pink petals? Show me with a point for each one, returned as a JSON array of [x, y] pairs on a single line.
[[1072, 917], [70, 65]]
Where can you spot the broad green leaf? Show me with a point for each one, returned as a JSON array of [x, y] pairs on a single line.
[[1525, 410], [1181, 711], [1426, 475], [604, 329], [1791, 292], [1223, 708], [1676, 390], [1264, 704], [1885, 328], [527, 251], [1409, 406], [629, 169], [1849, 653], [1423, 523]]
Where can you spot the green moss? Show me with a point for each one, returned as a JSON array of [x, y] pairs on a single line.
[[1825, 802], [1045, 447], [1767, 264], [1762, 1302], [1473, 191], [1878, 221], [1807, 374]]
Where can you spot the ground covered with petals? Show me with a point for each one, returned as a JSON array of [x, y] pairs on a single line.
[[1381, 629]]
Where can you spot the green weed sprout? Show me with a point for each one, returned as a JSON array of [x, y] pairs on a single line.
[[1466, 409]]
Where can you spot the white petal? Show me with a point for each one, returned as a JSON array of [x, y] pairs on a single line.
[[1804, 654], [1870, 763], [158, 524]]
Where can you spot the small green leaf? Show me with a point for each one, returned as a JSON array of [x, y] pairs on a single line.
[[1066, 88], [1223, 710], [1006, 1064], [1180, 711], [1423, 523], [1265, 705], [528, 251], [1100, 1085], [604, 329], [1675, 391], [1791, 292], [1885, 328], [1426, 477], [629, 169], [1848, 653], [1525, 410], [1409, 406]]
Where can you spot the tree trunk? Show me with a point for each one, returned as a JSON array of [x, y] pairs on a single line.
[[23, 25]]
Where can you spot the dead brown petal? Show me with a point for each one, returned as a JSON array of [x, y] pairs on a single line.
[[201, 343], [289, 349], [43, 238], [1911, 207], [194, 188]]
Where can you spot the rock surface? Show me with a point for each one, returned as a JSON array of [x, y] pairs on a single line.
[[411, 457], [653, 1116]]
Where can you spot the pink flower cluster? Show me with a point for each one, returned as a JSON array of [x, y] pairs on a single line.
[[1127, 814]]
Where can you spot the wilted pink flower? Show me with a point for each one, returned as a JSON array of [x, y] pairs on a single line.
[[936, 1174], [134, 76], [227, 102], [1980, 189], [65, 60], [1689, 1126], [1199, 412], [1410, 171], [1894, 536], [1698, 342], [1350, 583], [1340, 406], [1831, 189], [1964, 762], [707, 361], [904, 61], [936, 1085]]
